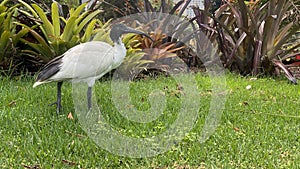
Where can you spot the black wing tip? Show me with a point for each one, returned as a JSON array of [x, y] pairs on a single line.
[[50, 69], [47, 73]]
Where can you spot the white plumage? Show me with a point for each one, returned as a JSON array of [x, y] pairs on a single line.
[[86, 62]]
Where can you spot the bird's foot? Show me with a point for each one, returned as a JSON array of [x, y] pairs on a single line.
[[54, 103], [58, 106]]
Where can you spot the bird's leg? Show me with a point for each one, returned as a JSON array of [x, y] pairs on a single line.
[[89, 97], [58, 101], [58, 108]]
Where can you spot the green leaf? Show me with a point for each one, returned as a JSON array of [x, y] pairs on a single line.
[[3, 9], [63, 19], [34, 54], [86, 20], [81, 17], [4, 2], [40, 49], [47, 26], [55, 19], [74, 41], [19, 35], [89, 30], [2, 17], [106, 24], [4, 42], [30, 8], [102, 35], [43, 46], [77, 11], [68, 31], [8, 21]]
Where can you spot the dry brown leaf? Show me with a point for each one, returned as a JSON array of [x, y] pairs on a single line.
[[70, 116], [68, 162], [13, 103]]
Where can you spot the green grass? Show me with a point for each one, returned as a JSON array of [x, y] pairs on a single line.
[[260, 127]]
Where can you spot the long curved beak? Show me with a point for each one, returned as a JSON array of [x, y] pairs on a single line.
[[130, 30]]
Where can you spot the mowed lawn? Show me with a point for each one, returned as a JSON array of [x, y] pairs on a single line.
[[259, 128]]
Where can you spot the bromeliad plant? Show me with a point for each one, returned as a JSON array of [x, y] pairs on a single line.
[[165, 30], [251, 36], [161, 52], [9, 36], [6, 29], [53, 35]]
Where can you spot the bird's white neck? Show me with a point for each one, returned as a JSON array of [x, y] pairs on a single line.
[[119, 53]]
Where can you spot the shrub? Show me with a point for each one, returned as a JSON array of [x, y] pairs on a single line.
[[251, 37], [54, 35]]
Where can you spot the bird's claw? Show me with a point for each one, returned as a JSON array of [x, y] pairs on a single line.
[[58, 106], [53, 104]]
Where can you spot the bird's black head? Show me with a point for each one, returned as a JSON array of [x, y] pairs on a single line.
[[118, 30]]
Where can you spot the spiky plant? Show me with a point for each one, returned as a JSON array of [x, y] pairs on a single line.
[[251, 37], [9, 36], [54, 35]]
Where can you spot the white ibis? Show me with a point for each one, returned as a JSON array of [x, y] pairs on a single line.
[[86, 62]]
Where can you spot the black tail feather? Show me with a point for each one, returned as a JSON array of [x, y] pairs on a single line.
[[50, 69]]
